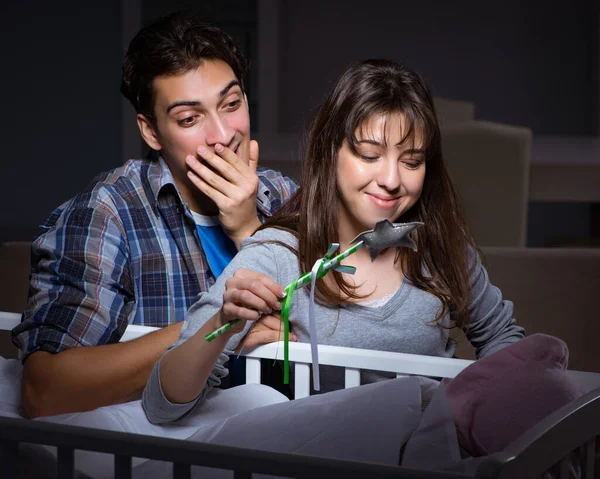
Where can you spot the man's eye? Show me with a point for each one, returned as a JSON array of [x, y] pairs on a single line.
[[233, 105], [189, 121]]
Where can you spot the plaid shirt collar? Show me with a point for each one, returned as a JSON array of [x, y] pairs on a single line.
[[160, 177]]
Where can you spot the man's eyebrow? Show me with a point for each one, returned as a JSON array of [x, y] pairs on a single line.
[[222, 93], [183, 103], [229, 86]]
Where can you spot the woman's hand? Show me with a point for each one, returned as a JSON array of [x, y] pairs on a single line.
[[248, 295], [184, 370], [267, 329]]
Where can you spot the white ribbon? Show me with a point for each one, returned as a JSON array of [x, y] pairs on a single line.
[[312, 326]]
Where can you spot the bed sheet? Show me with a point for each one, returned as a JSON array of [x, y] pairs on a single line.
[[368, 423], [220, 404]]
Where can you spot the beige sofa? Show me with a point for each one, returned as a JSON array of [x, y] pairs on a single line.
[[489, 164], [554, 291], [450, 112]]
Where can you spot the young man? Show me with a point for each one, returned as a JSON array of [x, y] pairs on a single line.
[[140, 243]]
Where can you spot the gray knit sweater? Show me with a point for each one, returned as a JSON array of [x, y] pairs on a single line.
[[403, 324]]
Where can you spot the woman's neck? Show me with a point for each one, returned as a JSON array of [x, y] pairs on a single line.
[[374, 279], [347, 232]]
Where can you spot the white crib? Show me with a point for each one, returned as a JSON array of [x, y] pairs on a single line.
[[546, 448]]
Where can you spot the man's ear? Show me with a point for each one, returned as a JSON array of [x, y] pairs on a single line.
[[148, 132]]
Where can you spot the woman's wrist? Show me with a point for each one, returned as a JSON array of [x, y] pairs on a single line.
[[216, 322]]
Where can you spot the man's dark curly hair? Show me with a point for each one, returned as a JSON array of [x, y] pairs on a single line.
[[174, 44]]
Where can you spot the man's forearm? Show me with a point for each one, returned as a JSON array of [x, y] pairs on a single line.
[[85, 378]]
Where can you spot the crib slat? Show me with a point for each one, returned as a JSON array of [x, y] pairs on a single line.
[[302, 381], [122, 467], [66, 463], [589, 459], [352, 377], [9, 451], [252, 371], [563, 471], [182, 471]]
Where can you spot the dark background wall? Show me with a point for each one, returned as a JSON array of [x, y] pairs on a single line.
[[530, 63], [61, 110]]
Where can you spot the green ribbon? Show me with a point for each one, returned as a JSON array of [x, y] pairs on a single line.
[[287, 302]]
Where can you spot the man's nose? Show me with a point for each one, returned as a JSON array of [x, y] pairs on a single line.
[[218, 131]]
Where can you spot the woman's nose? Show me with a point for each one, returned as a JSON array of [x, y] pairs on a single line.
[[389, 174]]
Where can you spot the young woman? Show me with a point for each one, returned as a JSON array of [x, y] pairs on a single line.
[[374, 153]]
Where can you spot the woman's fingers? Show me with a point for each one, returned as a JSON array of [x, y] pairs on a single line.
[[266, 330], [275, 287], [233, 311], [249, 294], [258, 284], [246, 299]]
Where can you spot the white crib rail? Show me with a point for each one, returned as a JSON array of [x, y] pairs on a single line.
[[9, 320], [133, 331], [353, 360]]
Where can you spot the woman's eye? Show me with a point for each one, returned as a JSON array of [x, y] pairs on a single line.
[[413, 165], [368, 158]]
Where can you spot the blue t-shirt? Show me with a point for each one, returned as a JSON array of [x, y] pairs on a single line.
[[219, 251], [217, 246]]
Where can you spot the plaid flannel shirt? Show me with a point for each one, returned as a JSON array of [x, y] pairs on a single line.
[[124, 251]]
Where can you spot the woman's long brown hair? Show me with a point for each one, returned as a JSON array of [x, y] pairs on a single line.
[[440, 266]]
